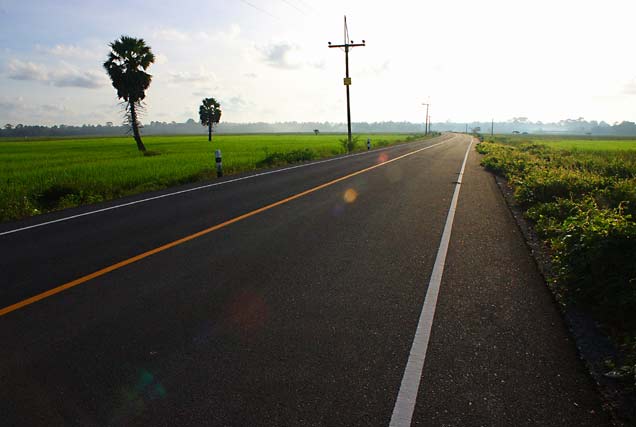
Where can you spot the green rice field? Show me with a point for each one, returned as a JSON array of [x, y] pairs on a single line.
[[574, 142], [38, 176]]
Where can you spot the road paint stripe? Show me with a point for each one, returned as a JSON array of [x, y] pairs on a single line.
[[407, 396], [198, 234], [202, 187]]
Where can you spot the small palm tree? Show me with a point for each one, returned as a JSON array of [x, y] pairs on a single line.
[[128, 60], [210, 114]]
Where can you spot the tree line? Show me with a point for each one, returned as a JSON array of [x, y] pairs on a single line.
[[192, 127]]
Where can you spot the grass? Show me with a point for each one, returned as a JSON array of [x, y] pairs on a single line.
[[38, 176], [581, 196], [576, 143]]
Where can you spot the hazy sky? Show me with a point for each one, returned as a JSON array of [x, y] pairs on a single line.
[[267, 60]]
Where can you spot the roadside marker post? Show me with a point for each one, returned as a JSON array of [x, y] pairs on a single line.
[[368, 144], [219, 163]]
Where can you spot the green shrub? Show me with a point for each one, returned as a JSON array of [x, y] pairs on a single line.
[[283, 158], [349, 146], [595, 255], [583, 205]]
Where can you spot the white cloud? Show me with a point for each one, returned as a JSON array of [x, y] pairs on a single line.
[[277, 55], [175, 35], [171, 35], [19, 70], [630, 88], [74, 78], [205, 92], [69, 51], [63, 75], [160, 58], [201, 77], [234, 104]]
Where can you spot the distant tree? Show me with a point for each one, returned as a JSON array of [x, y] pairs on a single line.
[[316, 131], [127, 62], [8, 126], [210, 114]]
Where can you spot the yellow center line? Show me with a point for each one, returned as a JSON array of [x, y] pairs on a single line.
[[117, 266]]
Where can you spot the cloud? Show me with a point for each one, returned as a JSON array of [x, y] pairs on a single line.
[[17, 110], [250, 75], [63, 76], [19, 70], [235, 103], [382, 68], [630, 88], [187, 77], [160, 58], [172, 35], [319, 65], [69, 51], [277, 55], [205, 92], [72, 78]]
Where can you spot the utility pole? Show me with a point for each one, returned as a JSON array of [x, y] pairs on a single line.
[[492, 127], [426, 122], [348, 44]]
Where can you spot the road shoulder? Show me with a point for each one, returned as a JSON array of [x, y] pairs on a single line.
[[499, 350]]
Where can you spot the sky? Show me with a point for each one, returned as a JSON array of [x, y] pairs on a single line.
[[268, 60]]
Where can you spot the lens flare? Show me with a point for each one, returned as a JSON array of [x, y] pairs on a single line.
[[350, 195], [248, 311]]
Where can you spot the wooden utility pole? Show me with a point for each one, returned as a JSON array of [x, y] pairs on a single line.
[[348, 44], [492, 127], [426, 122]]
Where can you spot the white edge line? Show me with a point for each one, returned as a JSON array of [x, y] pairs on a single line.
[[407, 396], [229, 181]]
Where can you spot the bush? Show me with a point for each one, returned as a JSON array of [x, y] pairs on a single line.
[[349, 147], [278, 158], [583, 205]]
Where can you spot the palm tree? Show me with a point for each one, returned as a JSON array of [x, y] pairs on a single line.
[[126, 65], [210, 114]]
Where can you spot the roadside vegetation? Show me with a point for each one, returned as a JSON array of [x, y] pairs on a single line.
[[581, 197], [47, 175]]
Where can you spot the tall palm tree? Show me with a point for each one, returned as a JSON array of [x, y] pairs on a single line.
[[210, 114], [128, 60]]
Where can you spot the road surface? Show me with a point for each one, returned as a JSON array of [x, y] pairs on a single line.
[[290, 298]]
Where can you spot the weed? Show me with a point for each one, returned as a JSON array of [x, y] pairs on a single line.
[[582, 203]]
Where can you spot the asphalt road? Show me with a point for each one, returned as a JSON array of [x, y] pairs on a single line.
[[303, 313]]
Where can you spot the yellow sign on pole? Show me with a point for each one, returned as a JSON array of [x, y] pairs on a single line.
[[347, 81]]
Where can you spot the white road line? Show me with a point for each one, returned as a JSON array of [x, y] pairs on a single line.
[[407, 396], [229, 181]]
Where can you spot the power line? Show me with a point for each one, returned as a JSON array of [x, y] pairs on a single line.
[[287, 2], [253, 6], [307, 5], [348, 44]]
